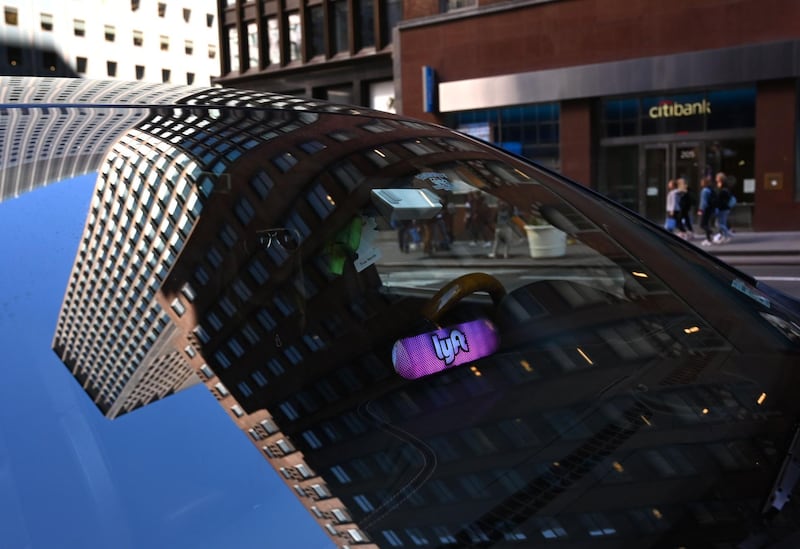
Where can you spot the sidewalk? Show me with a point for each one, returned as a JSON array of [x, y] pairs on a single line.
[[747, 243], [744, 248]]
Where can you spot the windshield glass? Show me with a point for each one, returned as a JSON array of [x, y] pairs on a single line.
[[425, 340]]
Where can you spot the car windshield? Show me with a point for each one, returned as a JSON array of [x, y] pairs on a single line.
[[426, 340]]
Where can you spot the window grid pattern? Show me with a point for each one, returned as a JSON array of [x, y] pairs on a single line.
[[124, 256]]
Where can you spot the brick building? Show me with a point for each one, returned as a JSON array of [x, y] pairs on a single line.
[[622, 95]]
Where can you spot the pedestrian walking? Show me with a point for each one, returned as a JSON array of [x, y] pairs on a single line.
[[670, 222], [503, 230], [706, 210], [724, 204], [686, 204]]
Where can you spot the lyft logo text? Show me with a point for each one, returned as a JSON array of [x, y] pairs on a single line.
[[449, 346]]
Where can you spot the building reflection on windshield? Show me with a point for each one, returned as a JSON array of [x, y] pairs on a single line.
[[222, 246]]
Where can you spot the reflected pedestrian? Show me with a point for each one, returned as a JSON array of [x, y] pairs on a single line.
[[403, 235], [503, 231]]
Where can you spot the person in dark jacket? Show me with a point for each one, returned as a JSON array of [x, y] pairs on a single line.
[[707, 209], [723, 209], [686, 204]]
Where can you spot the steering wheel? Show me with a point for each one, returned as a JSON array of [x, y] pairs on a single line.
[[459, 288]]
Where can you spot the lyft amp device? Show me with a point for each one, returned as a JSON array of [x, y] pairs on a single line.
[[425, 354], [406, 204]]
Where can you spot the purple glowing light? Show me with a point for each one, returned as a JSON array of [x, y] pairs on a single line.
[[425, 354]]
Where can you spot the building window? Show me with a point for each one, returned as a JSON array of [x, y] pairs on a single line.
[[110, 33], [340, 27], [348, 175], [79, 27], [227, 306], [47, 22], [258, 271], [190, 352], [244, 211], [206, 371], [366, 24], [138, 38], [165, 75], [273, 41], [528, 130], [312, 439], [317, 31], [201, 334], [237, 410], [270, 426], [285, 446], [188, 47], [162, 9], [289, 411], [392, 537], [295, 31], [312, 147], [266, 320], [80, 65], [139, 72], [228, 235], [187, 14], [284, 162], [364, 503], [164, 43], [214, 257], [261, 183], [233, 49], [189, 78], [111, 68], [321, 201], [304, 470], [235, 347], [252, 45], [222, 359], [214, 321], [259, 378], [450, 5], [223, 391], [244, 389], [209, 20], [250, 334], [340, 474], [188, 291], [11, 16], [178, 306], [393, 15]]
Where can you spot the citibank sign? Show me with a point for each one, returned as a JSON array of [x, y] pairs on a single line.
[[671, 109]]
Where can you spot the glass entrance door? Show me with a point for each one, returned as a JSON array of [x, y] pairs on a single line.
[[662, 162], [687, 164], [652, 195]]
